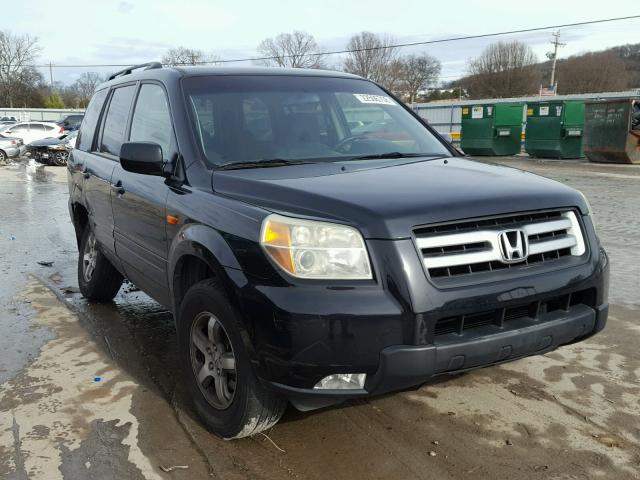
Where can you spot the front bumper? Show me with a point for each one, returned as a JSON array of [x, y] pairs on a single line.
[[405, 366], [297, 334]]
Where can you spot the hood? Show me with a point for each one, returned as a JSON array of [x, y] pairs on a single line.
[[48, 141], [389, 201]]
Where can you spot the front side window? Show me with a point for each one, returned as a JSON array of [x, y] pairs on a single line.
[[115, 123], [302, 118], [151, 119]]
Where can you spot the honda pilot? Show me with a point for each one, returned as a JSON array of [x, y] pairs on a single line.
[[317, 241]]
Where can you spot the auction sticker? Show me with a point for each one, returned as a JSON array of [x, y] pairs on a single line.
[[379, 99]]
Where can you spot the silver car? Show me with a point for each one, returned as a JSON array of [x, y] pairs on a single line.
[[10, 147]]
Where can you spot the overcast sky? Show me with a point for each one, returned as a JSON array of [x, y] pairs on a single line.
[[134, 31]]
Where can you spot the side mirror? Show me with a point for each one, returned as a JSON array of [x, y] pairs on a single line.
[[142, 157]]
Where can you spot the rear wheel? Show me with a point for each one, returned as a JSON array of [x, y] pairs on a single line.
[[99, 281], [3, 156], [219, 377]]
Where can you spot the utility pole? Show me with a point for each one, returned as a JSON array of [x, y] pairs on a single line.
[[553, 56], [51, 74]]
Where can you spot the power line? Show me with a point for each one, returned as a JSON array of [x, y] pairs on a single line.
[[382, 47]]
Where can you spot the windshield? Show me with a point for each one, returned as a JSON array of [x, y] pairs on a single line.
[[298, 118]]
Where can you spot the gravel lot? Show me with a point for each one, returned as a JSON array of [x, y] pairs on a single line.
[[91, 391]]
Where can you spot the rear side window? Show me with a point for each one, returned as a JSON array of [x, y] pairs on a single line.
[[88, 127], [151, 119], [38, 127], [115, 123]]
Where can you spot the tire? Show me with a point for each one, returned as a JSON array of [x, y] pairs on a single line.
[[244, 407], [59, 159], [3, 156], [99, 281]]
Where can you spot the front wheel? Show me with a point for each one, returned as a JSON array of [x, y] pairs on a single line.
[[3, 156], [60, 158], [98, 280], [219, 378]]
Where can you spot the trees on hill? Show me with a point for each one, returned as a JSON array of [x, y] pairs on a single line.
[[503, 69]]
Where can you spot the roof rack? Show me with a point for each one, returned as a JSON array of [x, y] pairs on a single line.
[[128, 70]]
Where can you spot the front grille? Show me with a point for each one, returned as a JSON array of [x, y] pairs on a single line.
[[472, 247], [500, 317]]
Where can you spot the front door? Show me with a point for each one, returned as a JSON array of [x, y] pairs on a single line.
[[139, 200]]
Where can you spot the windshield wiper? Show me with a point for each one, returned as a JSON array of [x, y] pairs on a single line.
[[376, 156], [268, 162]]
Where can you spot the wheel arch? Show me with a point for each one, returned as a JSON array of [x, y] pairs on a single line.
[[199, 252], [80, 218]]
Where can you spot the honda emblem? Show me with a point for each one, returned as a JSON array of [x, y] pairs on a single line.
[[514, 245]]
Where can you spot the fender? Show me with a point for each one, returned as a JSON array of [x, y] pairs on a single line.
[[204, 243]]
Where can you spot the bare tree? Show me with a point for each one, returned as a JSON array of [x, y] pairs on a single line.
[[17, 55], [592, 72], [293, 50], [418, 72], [84, 87], [187, 56], [371, 56], [504, 69]]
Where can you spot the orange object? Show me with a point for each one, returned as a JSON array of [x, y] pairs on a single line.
[[172, 220], [277, 241]]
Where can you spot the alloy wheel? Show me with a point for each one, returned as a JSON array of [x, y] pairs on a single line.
[[89, 257], [213, 361], [60, 158]]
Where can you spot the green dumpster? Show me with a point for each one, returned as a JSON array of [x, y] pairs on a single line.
[[608, 133], [492, 129], [554, 129]]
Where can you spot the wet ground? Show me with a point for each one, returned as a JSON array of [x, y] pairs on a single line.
[[91, 391]]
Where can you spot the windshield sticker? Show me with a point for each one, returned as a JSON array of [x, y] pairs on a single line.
[[476, 112], [379, 99]]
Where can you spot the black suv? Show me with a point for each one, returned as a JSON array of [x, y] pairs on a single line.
[[317, 241]]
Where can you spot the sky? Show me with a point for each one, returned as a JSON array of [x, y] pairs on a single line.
[[136, 31]]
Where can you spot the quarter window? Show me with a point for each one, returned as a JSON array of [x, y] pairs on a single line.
[[151, 119], [115, 123]]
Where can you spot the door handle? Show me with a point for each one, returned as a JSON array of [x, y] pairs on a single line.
[[117, 188]]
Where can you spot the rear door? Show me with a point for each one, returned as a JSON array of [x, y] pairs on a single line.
[[139, 207], [36, 132], [98, 164]]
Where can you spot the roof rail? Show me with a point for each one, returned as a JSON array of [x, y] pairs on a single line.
[[128, 70]]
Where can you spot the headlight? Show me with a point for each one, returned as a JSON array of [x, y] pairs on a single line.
[[310, 249]]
